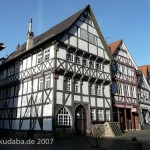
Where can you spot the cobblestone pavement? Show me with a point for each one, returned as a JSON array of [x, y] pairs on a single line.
[[82, 143]]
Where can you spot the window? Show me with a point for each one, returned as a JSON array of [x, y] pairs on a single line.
[[133, 91], [92, 89], [92, 64], [17, 68], [92, 38], [39, 58], [70, 57], [68, 84], [99, 66], [17, 90], [47, 82], [85, 62], [107, 115], [127, 92], [77, 86], [93, 114], [99, 90], [100, 115], [63, 117], [78, 59], [40, 83], [84, 34], [120, 89], [46, 54]]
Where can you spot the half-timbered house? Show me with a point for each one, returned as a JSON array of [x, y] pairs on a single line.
[[58, 81], [144, 96], [124, 87]]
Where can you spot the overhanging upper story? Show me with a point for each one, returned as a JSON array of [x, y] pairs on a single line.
[[75, 45]]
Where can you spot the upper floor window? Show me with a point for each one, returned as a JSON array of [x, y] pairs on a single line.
[[127, 92], [92, 89], [78, 59], [120, 92], [47, 82], [17, 68], [40, 83], [101, 115], [77, 86], [92, 38], [99, 66], [85, 62], [63, 117], [46, 54], [70, 57], [39, 58], [92, 64], [68, 84], [84, 34]]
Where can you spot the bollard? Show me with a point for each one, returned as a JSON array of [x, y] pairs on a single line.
[[134, 144]]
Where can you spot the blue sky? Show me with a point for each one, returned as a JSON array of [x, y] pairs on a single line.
[[118, 19]]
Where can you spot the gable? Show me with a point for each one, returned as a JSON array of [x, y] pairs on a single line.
[[85, 35]]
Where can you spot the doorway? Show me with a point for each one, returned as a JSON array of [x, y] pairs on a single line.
[[80, 120]]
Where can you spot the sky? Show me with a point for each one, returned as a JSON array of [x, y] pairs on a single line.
[[118, 19]]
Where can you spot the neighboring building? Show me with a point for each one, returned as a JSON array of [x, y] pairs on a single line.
[[58, 81], [144, 96], [124, 87]]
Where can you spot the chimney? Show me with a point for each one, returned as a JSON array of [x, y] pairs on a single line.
[[30, 35]]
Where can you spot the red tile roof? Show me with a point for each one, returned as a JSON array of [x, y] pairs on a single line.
[[145, 69], [113, 46]]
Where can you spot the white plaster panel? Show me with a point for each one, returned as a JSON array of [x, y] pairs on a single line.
[[10, 103], [24, 101], [61, 53], [92, 30], [19, 101], [73, 41], [92, 49], [77, 98], [65, 39], [52, 80], [29, 62], [100, 43], [85, 99], [69, 100], [47, 110], [107, 103], [34, 60], [35, 85], [93, 101], [107, 68], [59, 98], [24, 87], [18, 112], [85, 88], [100, 52], [106, 56], [52, 51], [60, 83], [25, 125], [100, 102], [82, 45], [47, 124], [24, 64], [20, 89], [73, 30], [107, 91], [29, 87]]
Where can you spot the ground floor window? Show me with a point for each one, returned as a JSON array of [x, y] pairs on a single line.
[[101, 115], [63, 117], [107, 115], [93, 114]]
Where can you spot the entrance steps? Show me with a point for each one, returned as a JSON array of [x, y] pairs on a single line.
[[112, 129], [108, 129]]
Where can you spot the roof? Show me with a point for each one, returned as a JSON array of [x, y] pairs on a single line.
[[58, 30], [145, 69], [1, 46], [113, 46]]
